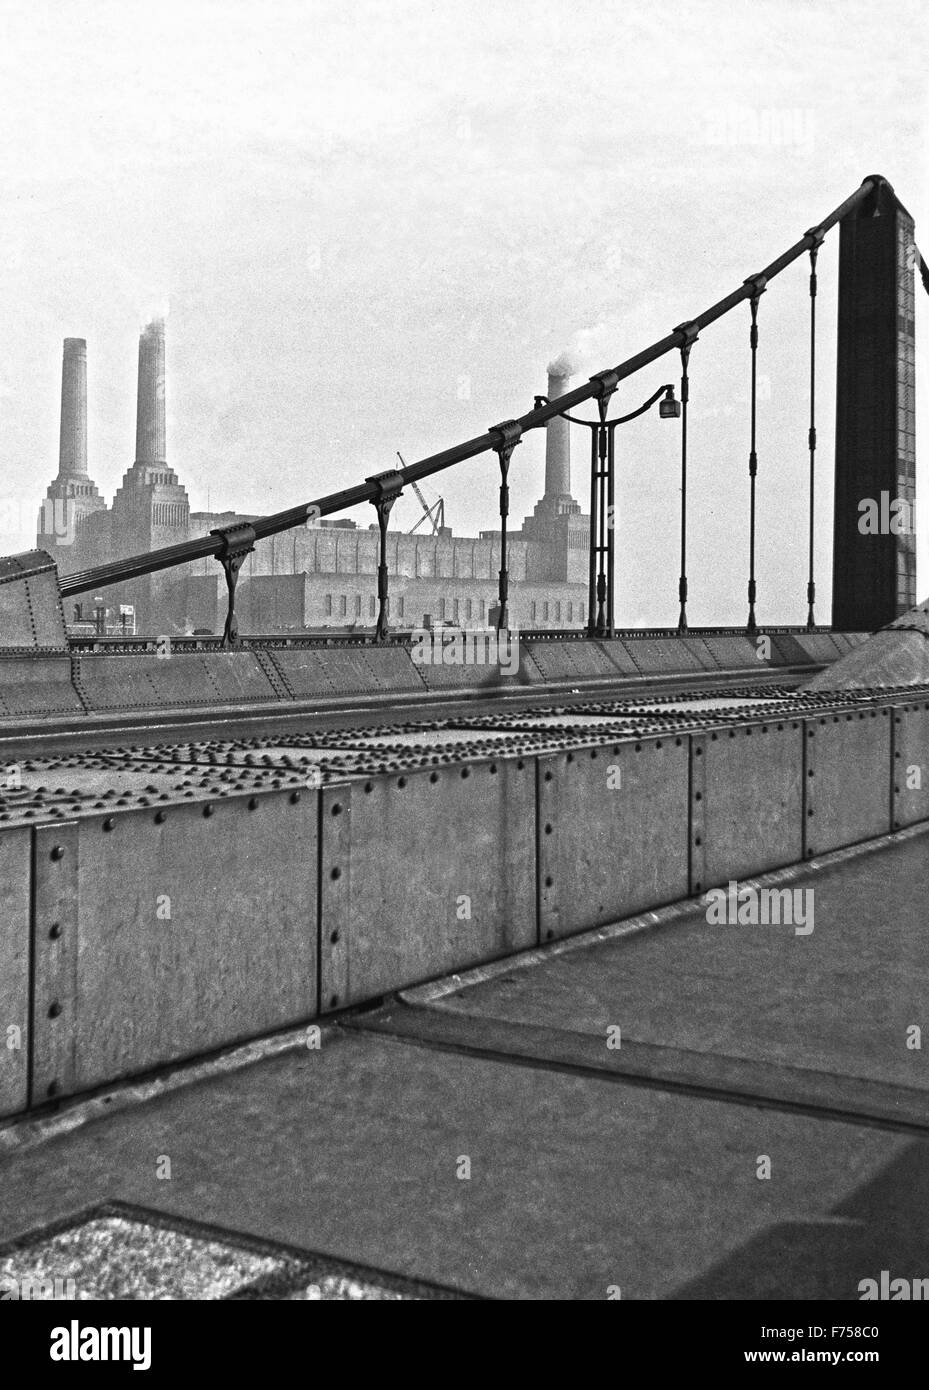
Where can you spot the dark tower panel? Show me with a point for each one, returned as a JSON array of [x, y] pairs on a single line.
[[874, 575]]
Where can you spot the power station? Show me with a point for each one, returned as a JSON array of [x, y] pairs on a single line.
[[320, 576]]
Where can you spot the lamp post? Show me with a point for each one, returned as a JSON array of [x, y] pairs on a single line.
[[602, 509]]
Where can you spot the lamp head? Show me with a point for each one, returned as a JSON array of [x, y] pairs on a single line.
[[669, 408]]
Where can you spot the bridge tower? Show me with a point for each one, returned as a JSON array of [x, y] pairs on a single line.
[[874, 554]]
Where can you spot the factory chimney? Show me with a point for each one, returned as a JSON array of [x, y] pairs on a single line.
[[150, 410], [72, 446], [557, 497], [71, 497]]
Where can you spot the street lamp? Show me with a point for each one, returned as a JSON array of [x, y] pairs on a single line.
[[602, 512], [669, 408]]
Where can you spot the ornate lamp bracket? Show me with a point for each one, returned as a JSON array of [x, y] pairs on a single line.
[[238, 541], [389, 487], [509, 434]]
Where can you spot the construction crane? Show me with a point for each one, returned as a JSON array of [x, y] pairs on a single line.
[[435, 513]]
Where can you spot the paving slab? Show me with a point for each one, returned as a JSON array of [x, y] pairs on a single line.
[[503, 1180]]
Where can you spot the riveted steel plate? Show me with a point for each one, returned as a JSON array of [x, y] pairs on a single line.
[[219, 757], [437, 874], [911, 764], [819, 646], [787, 651], [55, 936], [848, 785], [340, 753], [655, 656], [15, 615], [698, 647], [15, 878], [46, 612], [618, 653], [461, 740], [346, 670], [470, 675], [37, 685], [335, 895], [612, 832], [238, 676], [752, 810], [563, 661], [720, 704], [697, 820], [30, 603], [74, 785], [734, 653], [196, 930], [144, 681]]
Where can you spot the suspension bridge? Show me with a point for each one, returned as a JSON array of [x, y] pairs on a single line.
[[323, 955]]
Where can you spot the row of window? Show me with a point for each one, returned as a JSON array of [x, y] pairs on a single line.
[[453, 610], [551, 612], [449, 610], [338, 607]]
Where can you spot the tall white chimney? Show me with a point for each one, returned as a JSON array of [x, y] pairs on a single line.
[[72, 441], [558, 440], [150, 407]]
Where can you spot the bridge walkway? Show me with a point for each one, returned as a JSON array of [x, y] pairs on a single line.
[[481, 1135]]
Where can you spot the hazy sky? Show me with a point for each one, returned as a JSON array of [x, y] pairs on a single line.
[[374, 223]]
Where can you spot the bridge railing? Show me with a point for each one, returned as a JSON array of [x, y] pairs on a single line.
[[230, 545], [344, 637]]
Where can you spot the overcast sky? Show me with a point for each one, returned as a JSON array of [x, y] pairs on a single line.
[[372, 224]]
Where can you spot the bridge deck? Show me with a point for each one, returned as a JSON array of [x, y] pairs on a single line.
[[590, 1168]]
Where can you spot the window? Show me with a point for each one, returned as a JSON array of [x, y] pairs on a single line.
[[545, 612], [328, 605], [570, 611], [533, 611], [400, 606], [558, 611], [372, 606], [343, 606], [469, 610], [358, 605]]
